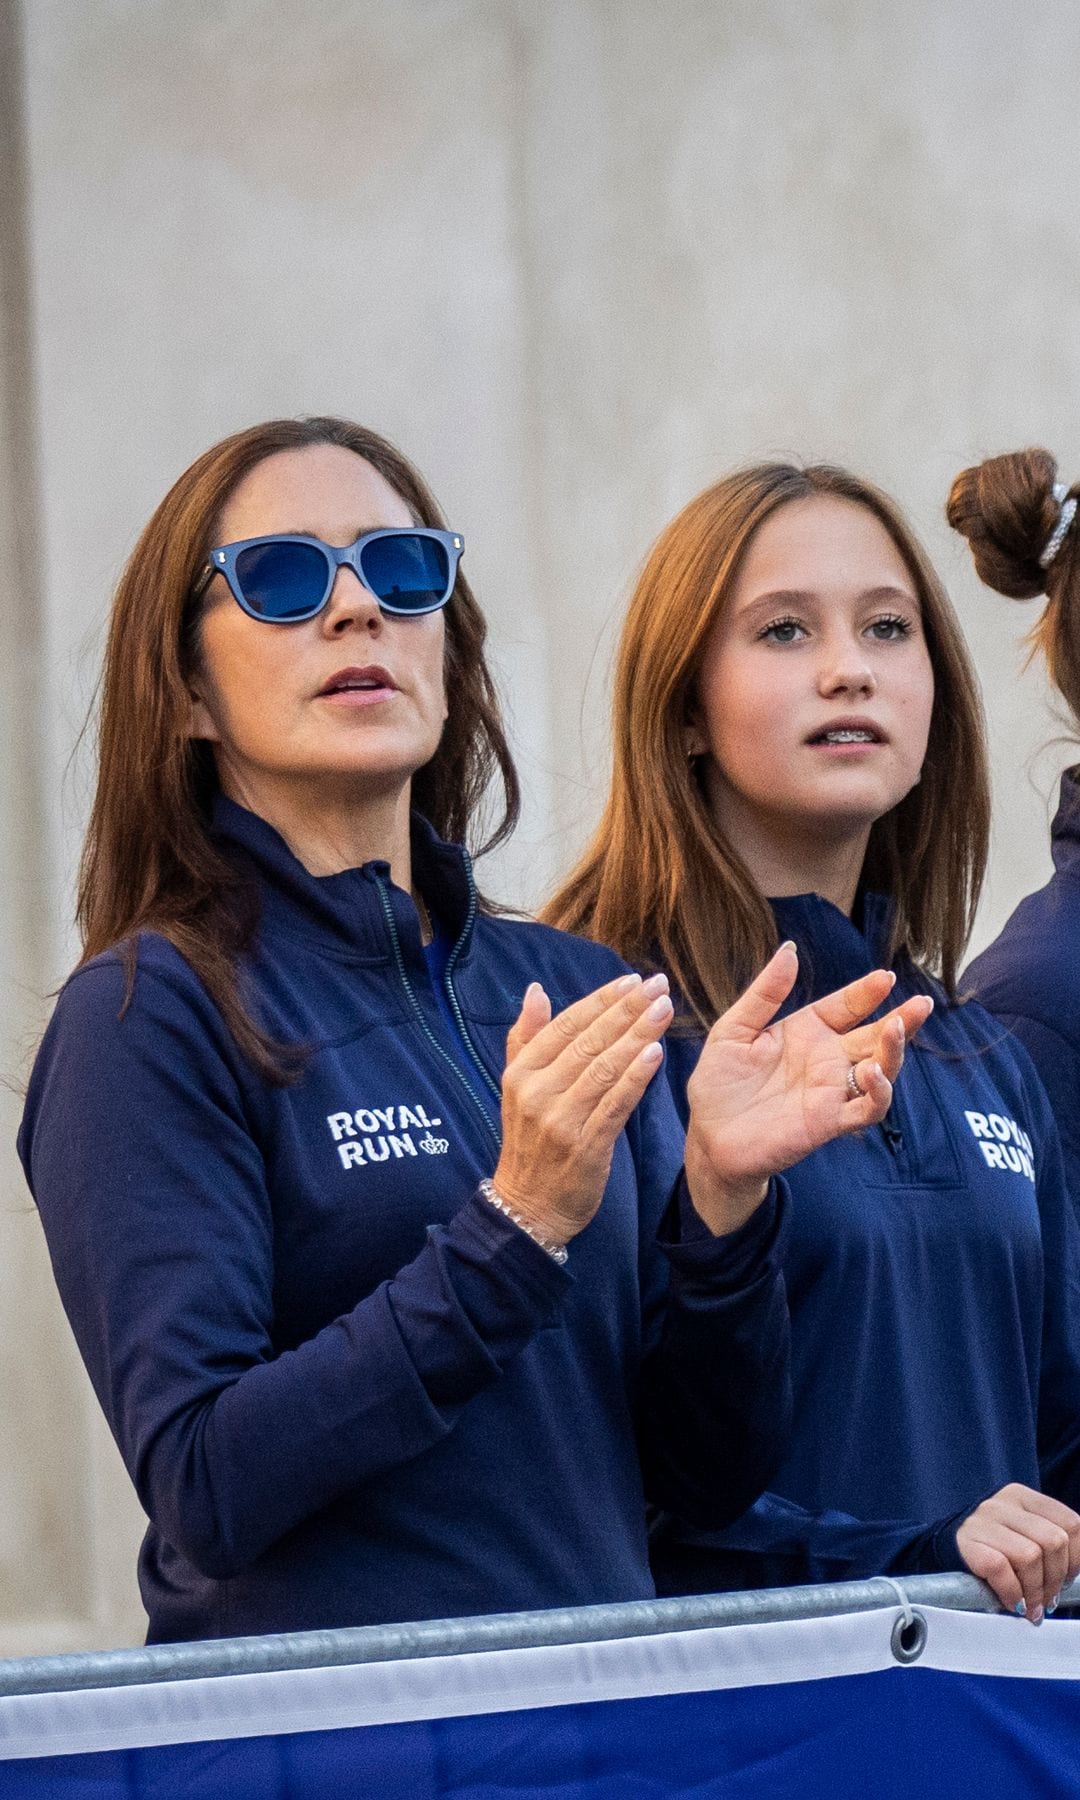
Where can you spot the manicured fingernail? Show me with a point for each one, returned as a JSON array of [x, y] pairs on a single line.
[[627, 982], [533, 988], [1053, 1606], [660, 1009], [1020, 1609], [790, 944], [1038, 1616], [656, 984], [652, 1053]]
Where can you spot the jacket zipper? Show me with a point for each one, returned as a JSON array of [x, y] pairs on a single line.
[[893, 1136], [450, 1061], [459, 1020]]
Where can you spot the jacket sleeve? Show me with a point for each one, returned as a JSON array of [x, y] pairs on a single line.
[[715, 1389], [142, 1157], [778, 1544], [1057, 1063], [1059, 1376]]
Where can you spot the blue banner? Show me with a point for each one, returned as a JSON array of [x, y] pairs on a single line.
[[991, 1711]]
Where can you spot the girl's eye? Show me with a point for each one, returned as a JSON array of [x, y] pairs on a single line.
[[890, 627], [782, 631]]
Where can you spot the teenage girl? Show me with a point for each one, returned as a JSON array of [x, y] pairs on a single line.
[[799, 755]]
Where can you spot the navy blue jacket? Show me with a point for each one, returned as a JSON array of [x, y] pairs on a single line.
[[933, 1274], [348, 1390], [1029, 978]]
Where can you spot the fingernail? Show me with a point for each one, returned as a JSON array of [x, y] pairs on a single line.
[[624, 986], [656, 984], [1038, 1616], [790, 944], [892, 978], [533, 988], [659, 1008], [1053, 1606], [1020, 1609], [652, 1053]]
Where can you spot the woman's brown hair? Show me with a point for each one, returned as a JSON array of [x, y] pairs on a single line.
[[1008, 510], [660, 882], [149, 861]]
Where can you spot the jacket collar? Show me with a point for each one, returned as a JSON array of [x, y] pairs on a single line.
[[346, 914], [1065, 831], [834, 949]]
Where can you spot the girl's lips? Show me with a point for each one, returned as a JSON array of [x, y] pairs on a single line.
[[859, 748]]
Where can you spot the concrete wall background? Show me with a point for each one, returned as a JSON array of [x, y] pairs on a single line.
[[577, 259]]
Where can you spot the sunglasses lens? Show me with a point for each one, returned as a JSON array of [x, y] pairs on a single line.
[[282, 581], [406, 572]]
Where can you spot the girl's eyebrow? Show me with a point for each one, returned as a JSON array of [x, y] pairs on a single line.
[[763, 603]]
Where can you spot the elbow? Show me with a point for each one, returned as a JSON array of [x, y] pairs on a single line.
[[731, 1465], [211, 1554], [191, 1526], [221, 1527]]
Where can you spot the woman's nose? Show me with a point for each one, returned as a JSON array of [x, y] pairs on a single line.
[[349, 605]]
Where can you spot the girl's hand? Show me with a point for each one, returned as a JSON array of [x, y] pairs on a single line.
[[763, 1095], [569, 1086], [1025, 1546]]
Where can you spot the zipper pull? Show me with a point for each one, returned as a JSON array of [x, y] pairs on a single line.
[[893, 1136]]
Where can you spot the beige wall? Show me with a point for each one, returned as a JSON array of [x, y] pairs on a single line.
[[577, 258]]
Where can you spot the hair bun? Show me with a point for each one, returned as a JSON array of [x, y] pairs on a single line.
[[1006, 509]]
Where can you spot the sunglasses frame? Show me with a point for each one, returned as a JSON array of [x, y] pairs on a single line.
[[222, 561]]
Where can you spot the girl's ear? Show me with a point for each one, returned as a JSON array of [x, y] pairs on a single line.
[[695, 741]]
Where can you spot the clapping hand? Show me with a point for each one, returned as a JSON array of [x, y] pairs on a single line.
[[765, 1095]]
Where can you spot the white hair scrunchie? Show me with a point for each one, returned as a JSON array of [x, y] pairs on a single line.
[[1065, 518]]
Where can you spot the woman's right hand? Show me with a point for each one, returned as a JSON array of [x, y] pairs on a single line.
[[569, 1087], [1025, 1546]]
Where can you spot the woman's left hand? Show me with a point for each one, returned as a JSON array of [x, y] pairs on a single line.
[[765, 1095]]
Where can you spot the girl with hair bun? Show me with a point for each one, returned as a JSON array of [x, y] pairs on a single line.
[[798, 754], [1020, 522]]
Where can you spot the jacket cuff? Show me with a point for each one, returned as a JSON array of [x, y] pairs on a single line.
[[732, 1261], [488, 1239], [935, 1551]]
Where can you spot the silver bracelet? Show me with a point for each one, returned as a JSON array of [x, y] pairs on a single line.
[[557, 1252]]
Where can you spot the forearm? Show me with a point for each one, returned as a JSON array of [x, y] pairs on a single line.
[[716, 1394], [225, 1468]]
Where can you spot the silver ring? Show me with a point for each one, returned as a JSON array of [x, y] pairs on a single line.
[[855, 1092]]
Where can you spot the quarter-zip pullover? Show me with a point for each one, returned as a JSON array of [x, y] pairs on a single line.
[[1029, 978], [933, 1273], [347, 1388]]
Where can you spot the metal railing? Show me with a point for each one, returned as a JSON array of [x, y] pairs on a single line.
[[499, 1631]]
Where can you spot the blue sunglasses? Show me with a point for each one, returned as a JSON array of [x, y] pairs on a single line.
[[285, 579]]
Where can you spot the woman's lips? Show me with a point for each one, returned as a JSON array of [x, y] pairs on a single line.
[[352, 697], [369, 686]]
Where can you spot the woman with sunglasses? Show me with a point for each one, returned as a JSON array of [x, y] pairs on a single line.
[[799, 754], [1019, 520], [363, 1204]]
